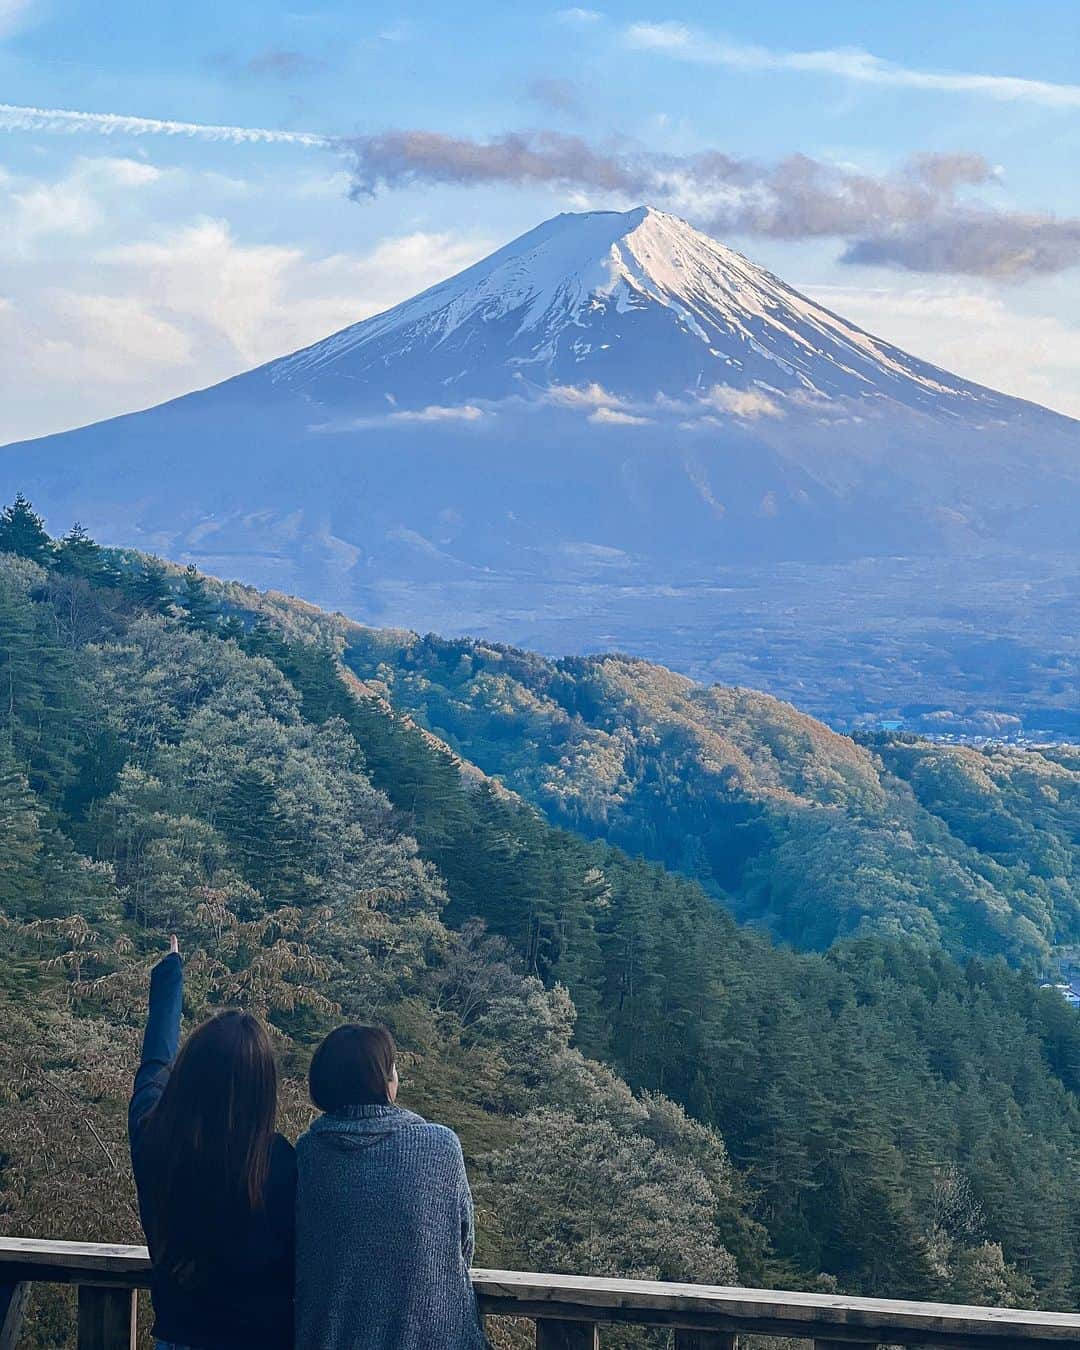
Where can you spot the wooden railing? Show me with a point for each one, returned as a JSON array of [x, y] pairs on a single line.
[[569, 1309]]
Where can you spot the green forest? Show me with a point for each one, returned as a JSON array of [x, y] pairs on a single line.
[[797, 829], [643, 1084]]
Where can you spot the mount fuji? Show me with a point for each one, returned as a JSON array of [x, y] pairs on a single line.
[[610, 412]]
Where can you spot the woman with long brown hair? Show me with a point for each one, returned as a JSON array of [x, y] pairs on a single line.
[[216, 1183]]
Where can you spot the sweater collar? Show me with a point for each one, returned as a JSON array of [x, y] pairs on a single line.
[[366, 1111], [377, 1118]]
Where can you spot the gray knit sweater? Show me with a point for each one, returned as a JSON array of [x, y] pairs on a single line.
[[384, 1235]]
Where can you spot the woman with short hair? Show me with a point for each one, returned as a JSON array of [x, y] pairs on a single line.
[[216, 1184], [384, 1212]]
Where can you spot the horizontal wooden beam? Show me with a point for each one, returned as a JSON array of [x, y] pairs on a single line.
[[56, 1262], [848, 1321], [720, 1310]]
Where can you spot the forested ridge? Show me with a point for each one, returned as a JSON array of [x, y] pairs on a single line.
[[806, 832], [642, 1085]]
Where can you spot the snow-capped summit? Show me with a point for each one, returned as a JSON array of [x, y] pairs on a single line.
[[637, 302]]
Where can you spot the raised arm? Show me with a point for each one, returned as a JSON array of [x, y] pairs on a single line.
[[160, 1039]]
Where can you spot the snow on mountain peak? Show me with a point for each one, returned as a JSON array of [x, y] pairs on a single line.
[[637, 301]]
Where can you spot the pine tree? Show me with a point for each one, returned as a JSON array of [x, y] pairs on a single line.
[[22, 531], [148, 588], [263, 639], [262, 839], [201, 613], [79, 555], [20, 840], [41, 708], [233, 627]]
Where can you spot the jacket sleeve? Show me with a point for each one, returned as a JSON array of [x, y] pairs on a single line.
[[160, 1041]]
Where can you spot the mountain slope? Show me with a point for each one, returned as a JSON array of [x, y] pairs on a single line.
[[611, 420], [799, 829], [812, 834]]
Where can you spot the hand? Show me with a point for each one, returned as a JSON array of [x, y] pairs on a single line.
[[174, 946]]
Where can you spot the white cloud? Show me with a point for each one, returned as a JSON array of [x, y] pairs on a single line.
[[120, 171], [746, 403], [112, 338], [74, 204], [615, 417], [110, 308], [434, 412], [201, 274], [849, 63], [576, 15], [581, 396], [467, 412], [606, 409]]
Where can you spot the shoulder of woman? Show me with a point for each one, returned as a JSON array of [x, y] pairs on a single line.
[[441, 1137]]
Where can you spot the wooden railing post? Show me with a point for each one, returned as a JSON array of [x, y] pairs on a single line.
[[706, 1340], [13, 1301], [552, 1334], [106, 1318]]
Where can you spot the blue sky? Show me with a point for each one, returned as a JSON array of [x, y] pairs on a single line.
[[137, 263]]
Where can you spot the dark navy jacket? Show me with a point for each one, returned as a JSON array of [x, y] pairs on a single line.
[[249, 1303]]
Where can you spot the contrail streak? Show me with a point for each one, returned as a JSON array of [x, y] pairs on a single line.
[[14, 117]]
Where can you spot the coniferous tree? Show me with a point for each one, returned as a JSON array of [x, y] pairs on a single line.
[[200, 610], [148, 588], [42, 707], [20, 839], [263, 841], [246, 818], [22, 531], [79, 555], [263, 639]]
